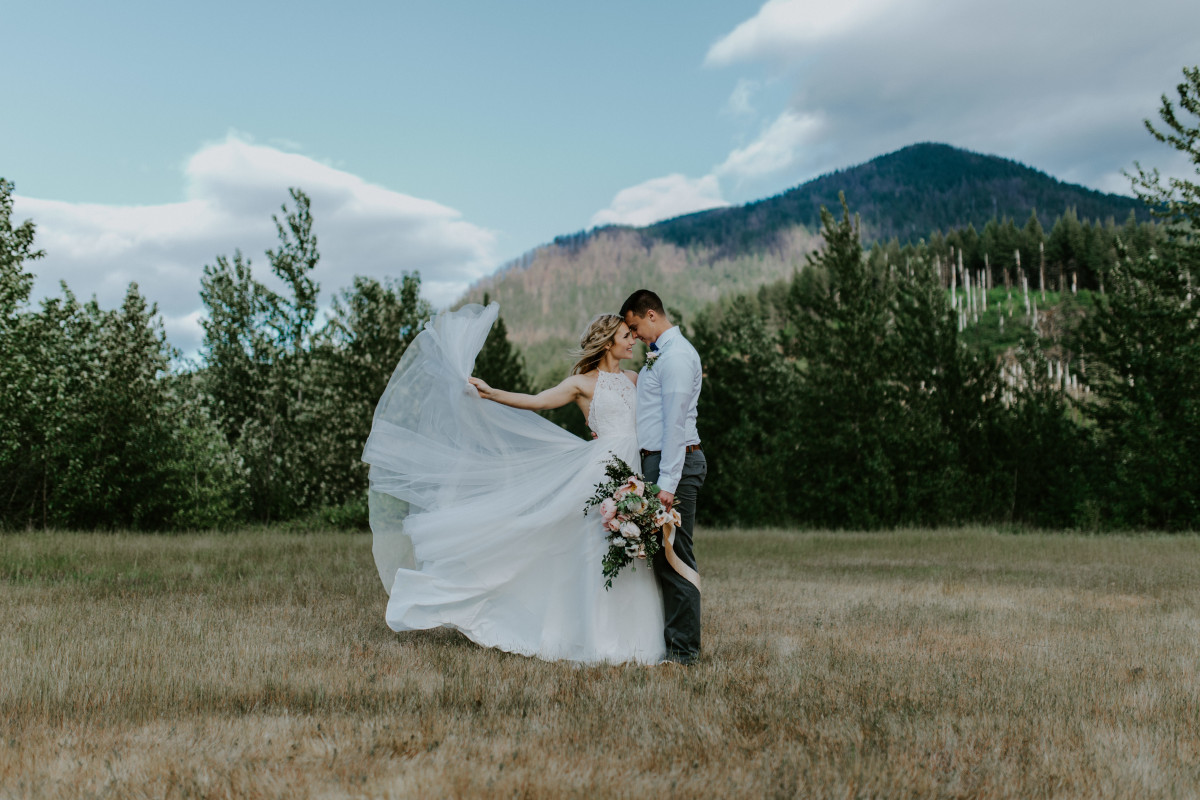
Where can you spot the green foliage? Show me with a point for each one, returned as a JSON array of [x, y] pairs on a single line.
[[849, 398], [370, 326], [836, 326], [18, 347], [1177, 200], [499, 363], [104, 439], [257, 349], [858, 391], [1142, 347], [639, 507], [95, 431], [891, 407], [748, 394], [1143, 355], [16, 248]]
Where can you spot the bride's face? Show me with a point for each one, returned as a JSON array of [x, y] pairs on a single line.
[[622, 344]]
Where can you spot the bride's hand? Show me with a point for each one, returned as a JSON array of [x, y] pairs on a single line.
[[481, 386]]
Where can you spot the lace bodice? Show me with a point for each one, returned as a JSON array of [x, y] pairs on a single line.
[[614, 406]]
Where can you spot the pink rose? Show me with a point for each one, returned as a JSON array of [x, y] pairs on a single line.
[[613, 524], [608, 509], [630, 530], [620, 493]]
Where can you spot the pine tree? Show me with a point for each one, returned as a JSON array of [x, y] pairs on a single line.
[[499, 364], [1143, 346], [836, 325]]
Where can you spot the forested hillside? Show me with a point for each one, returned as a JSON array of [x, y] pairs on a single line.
[[1036, 372], [549, 299], [904, 195], [987, 208]]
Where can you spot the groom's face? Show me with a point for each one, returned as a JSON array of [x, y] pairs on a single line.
[[641, 327]]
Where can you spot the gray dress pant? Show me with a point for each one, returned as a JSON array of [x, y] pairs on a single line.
[[681, 600]]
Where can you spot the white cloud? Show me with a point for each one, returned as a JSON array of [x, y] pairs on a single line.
[[775, 150], [871, 76], [659, 199], [739, 103], [783, 29], [232, 188]]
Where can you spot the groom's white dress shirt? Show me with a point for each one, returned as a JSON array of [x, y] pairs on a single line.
[[666, 408]]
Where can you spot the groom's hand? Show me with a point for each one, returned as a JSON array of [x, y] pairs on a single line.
[[667, 499]]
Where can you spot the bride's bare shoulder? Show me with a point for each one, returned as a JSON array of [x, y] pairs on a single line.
[[632, 375], [585, 381]]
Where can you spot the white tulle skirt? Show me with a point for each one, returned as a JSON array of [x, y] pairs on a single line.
[[477, 515]]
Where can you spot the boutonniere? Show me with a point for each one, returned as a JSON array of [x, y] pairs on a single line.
[[651, 357]]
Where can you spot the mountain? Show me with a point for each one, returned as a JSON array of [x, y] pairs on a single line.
[[904, 195], [548, 295]]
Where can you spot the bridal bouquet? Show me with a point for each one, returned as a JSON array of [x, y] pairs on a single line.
[[631, 514]]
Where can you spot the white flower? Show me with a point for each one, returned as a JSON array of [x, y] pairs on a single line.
[[637, 506], [617, 541], [630, 530], [631, 550]]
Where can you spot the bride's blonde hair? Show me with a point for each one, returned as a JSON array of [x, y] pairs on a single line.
[[594, 343]]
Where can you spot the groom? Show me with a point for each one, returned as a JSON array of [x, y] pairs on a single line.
[[667, 390]]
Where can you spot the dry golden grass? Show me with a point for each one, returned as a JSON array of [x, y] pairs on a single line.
[[961, 663]]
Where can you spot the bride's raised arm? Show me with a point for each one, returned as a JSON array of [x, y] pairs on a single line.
[[568, 391]]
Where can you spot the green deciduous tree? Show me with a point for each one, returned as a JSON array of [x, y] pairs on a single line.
[[370, 326], [256, 348]]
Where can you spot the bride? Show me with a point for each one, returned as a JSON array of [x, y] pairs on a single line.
[[477, 507]]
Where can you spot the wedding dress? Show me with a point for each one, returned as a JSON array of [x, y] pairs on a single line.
[[477, 510]]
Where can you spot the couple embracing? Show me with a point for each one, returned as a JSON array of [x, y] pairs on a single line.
[[477, 506]]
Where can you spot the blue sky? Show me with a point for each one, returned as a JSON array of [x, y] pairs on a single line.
[[146, 138]]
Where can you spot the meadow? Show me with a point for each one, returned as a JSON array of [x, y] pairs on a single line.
[[965, 662]]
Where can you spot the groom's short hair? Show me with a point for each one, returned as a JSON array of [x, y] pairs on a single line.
[[640, 302]]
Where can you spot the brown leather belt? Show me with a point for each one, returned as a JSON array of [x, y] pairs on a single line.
[[691, 448]]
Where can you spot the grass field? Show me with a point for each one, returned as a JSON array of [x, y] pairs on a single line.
[[954, 663]]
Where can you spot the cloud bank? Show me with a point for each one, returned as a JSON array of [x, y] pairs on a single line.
[[1062, 87], [661, 198], [231, 190]]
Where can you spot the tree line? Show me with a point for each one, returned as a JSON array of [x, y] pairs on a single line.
[[101, 428], [856, 394], [859, 393]]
